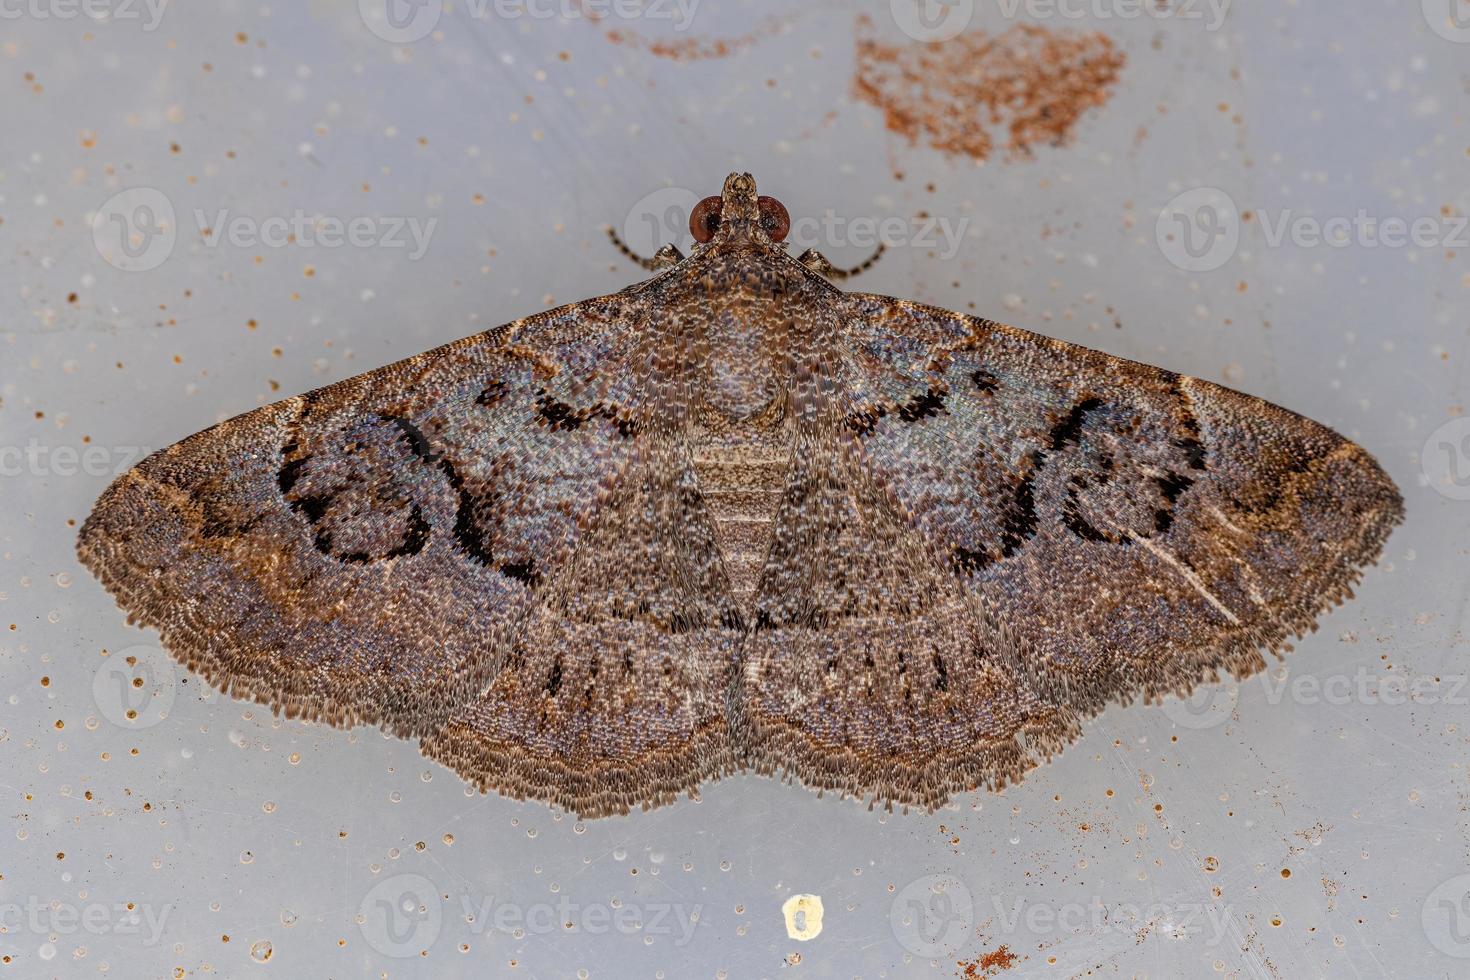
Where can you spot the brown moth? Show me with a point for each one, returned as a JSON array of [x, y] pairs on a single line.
[[734, 517]]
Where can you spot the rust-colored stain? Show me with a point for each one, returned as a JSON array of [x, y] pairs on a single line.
[[1026, 86], [692, 48], [1000, 958]]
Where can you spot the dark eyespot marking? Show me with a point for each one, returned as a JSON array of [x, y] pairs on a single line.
[[1018, 523], [290, 470], [865, 420], [558, 416], [1172, 485], [626, 426], [313, 508], [919, 407], [1073, 520], [523, 571], [984, 381], [1069, 430], [941, 673], [923, 406], [493, 394], [561, 417], [416, 537], [417, 441]]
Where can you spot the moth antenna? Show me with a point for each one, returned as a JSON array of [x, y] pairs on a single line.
[[818, 263], [666, 257]]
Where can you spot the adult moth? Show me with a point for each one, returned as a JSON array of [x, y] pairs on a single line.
[[735, 517]]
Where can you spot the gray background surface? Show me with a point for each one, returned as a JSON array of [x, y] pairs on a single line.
[[203, 837]]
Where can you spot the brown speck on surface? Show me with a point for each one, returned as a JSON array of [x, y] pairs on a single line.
[[1026, 86], [988, 965], [698, 48]]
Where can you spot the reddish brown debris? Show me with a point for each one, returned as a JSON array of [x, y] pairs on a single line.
[[1026, 87]]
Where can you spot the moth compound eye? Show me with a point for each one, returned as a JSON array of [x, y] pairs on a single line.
[[705, 219], [774, 220]]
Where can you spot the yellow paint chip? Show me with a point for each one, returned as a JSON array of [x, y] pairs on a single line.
[[803, 916]]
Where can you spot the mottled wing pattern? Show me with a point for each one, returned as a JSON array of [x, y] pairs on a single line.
[[1133, 530], [869, 669], [1056, 529], [366, 552], [734, 517], [614, 694]]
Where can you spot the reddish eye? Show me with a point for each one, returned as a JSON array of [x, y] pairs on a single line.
[[774, 220], [704, 219]]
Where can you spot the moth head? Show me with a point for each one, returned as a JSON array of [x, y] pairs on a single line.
[[739, 210]]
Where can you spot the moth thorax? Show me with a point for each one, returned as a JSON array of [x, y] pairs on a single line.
[[739, 379]]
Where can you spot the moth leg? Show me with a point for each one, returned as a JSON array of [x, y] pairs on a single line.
[[817, 262], [666, 257]]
